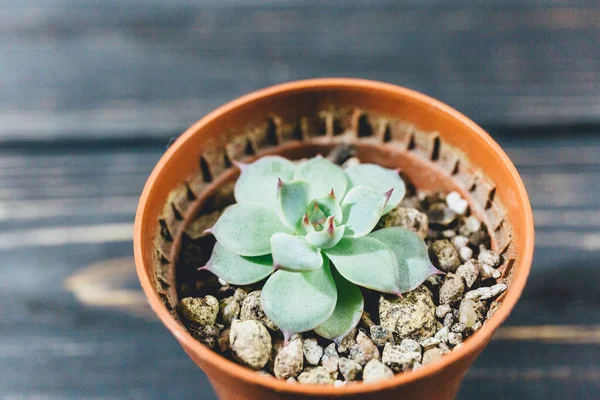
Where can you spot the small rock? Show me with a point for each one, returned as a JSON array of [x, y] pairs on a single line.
[[223, 340], [411, 316], [454, 338], [442, 335], [444, 255], [487, 257], [240, 294], [488, 272], [381, 335], [432, 355], [291, 379], [250, 343], [458, 346], [312, 351], [480, 238], [449, 319], [252, 310], [429, 343], [399, 360], [477, 326], [200, 311], [347, 342], [442, 310], [290, 359], [434, 281], [456, 203], [376, 371], [366, 321], [409, 218], [229, 309], [410, 346], [448, 234], [460, 241], [452, 290], [364, 350], [315, 376], [472, 225], [465, 253], [444, 347], [469, 271], [417, 366], [338, 383], [485, 293], [206, 334], [467, 313], [330, 359], [440, 216], [351, 162], [457, 328], [350, 369]]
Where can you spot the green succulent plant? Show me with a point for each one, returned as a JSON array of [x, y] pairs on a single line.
[[308, 227]]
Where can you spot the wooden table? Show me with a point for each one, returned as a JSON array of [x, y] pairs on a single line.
[[91, 92]]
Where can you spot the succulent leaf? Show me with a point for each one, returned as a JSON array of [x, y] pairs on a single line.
[[258, 181], [380, 179], [411, 253], [292, 198], [330, 206], [236, 269], [299, 301], [328, 237], [294, 253], [366, 262], [308, 227], [246, 229], [347, 312], [362, 208], [315, 215], [323, 175]]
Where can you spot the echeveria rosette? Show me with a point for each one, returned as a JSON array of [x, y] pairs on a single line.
[[309, 226]]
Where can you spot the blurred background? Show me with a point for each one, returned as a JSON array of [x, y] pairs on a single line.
[[92, 92]]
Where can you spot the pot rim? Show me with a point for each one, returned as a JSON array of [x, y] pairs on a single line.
[[470, 346]]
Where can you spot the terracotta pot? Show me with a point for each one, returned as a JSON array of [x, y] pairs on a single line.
[[436, 146]]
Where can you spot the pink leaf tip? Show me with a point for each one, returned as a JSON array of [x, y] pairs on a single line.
[[332, 194], [330, 226], [398, 293], [279, 183], [286, 337], [387, 195]]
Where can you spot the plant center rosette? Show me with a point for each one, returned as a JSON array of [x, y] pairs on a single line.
[[308, 227]]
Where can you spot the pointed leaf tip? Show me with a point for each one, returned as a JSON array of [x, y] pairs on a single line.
[[332, 193], [279, 183]]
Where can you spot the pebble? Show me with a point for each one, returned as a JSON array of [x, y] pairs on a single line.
[[444, 255], [432, 355], [349, 369], [364, 350], [442, 310], [200, 311], [240, 294], [458, 346], [452, 290], [448, 234], [430, 343], [376, 371], [338, 383], [206, 334], [454, 338], [456, 203], [223, 340], [291, 379], [315, 376], [397, 359], [252, 310], [472, 225], [477, 326], [229, 309], [488, 272], [312, 351], [467, 313], [449, 319], [351, 162], [409, 218], [410, 345], [290, 359], [411, 316], [485, 293], [459, 242], [250, 343], [380, 335], [465, 253], [347, 342], [469, 271], [458, 328], [493, 308], [440, 215], [487, 257], [330, 359], [442, 335]]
